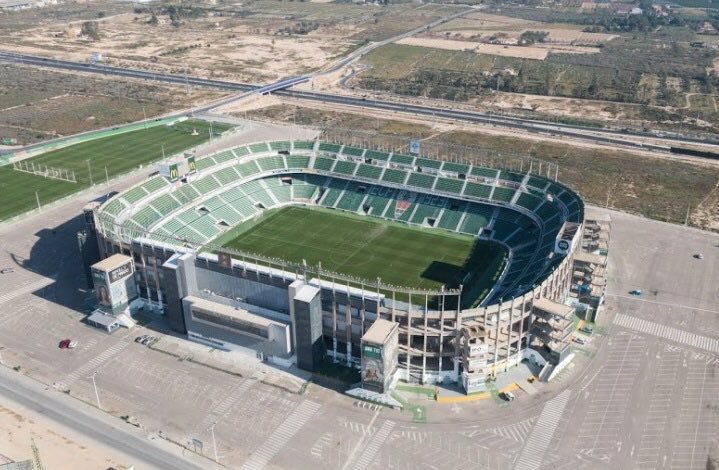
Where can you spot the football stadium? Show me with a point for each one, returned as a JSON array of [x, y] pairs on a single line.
[[313, 251]]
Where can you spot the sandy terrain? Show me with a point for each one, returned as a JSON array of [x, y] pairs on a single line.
[[216, 46], [59, 448], [507, 51]]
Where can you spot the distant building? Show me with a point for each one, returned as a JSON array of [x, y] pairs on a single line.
[[16, 5]]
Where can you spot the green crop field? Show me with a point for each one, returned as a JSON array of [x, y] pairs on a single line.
[[369, 248], [117, 154]]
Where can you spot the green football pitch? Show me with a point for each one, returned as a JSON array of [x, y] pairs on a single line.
[[369, 248], [117, 154]]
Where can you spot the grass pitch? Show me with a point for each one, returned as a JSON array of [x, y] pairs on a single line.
[[119, 154], [369, 248]]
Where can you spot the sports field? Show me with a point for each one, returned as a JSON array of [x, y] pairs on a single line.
[[369, 248], [118, 154]]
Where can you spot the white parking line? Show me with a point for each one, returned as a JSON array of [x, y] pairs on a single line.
[[294, 422], [365, 459], [668, 332], [533, 452]]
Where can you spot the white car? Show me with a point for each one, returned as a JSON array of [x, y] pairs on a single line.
[[509, 396], [72, 345]]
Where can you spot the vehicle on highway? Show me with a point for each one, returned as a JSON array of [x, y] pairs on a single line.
[[636, 292], [699, 256], [68, 344], [7, 270], [508, 396]]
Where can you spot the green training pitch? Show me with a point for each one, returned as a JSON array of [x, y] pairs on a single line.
[[369, 248], [118, 154]]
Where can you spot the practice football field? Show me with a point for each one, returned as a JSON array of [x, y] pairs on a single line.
[[369, 248], [118, 154]]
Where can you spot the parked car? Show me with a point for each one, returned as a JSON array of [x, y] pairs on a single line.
[[138, 339], [636, 292], [146, 339], [579, 340], [7, 270], [509, 396], [68, 344], [699, 256], [586, 330]]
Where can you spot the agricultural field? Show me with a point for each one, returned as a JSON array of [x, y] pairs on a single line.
[[38, 104], [480, 56], [94, 161], [256, 41], [368, 248]]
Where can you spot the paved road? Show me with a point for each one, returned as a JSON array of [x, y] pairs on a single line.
[[602, 136], [70, 413]]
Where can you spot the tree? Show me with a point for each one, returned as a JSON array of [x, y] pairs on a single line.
[[91, 29]]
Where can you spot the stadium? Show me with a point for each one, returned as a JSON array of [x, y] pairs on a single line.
[[295, 249]]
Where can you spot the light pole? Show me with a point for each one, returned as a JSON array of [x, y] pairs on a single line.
[[97, 395], [214, 442], [89, 170]]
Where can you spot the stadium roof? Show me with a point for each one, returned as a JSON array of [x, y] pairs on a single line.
[[114, 261], [552, 307], [379, 331]]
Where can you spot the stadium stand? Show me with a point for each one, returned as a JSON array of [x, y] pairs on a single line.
[[421, 180], [354, 151], [224, 194], [345, 167], [392, 175], [369, 171], [402, 159], [477, 190], [449, 185]]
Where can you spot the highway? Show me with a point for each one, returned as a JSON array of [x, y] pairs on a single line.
[[597, 135], [69, 413]]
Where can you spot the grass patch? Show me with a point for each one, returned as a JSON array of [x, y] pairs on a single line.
[[117, 154], [428, 392], [369, 248]]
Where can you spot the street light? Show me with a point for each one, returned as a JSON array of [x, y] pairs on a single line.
[[214, 442], [97, 395], [89, 170]]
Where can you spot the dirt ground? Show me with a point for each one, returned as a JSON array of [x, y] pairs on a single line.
[[537, 53], [37, 104], [58, 448]]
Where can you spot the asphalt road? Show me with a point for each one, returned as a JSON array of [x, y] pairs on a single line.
[[608, 136], [73, 416]]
